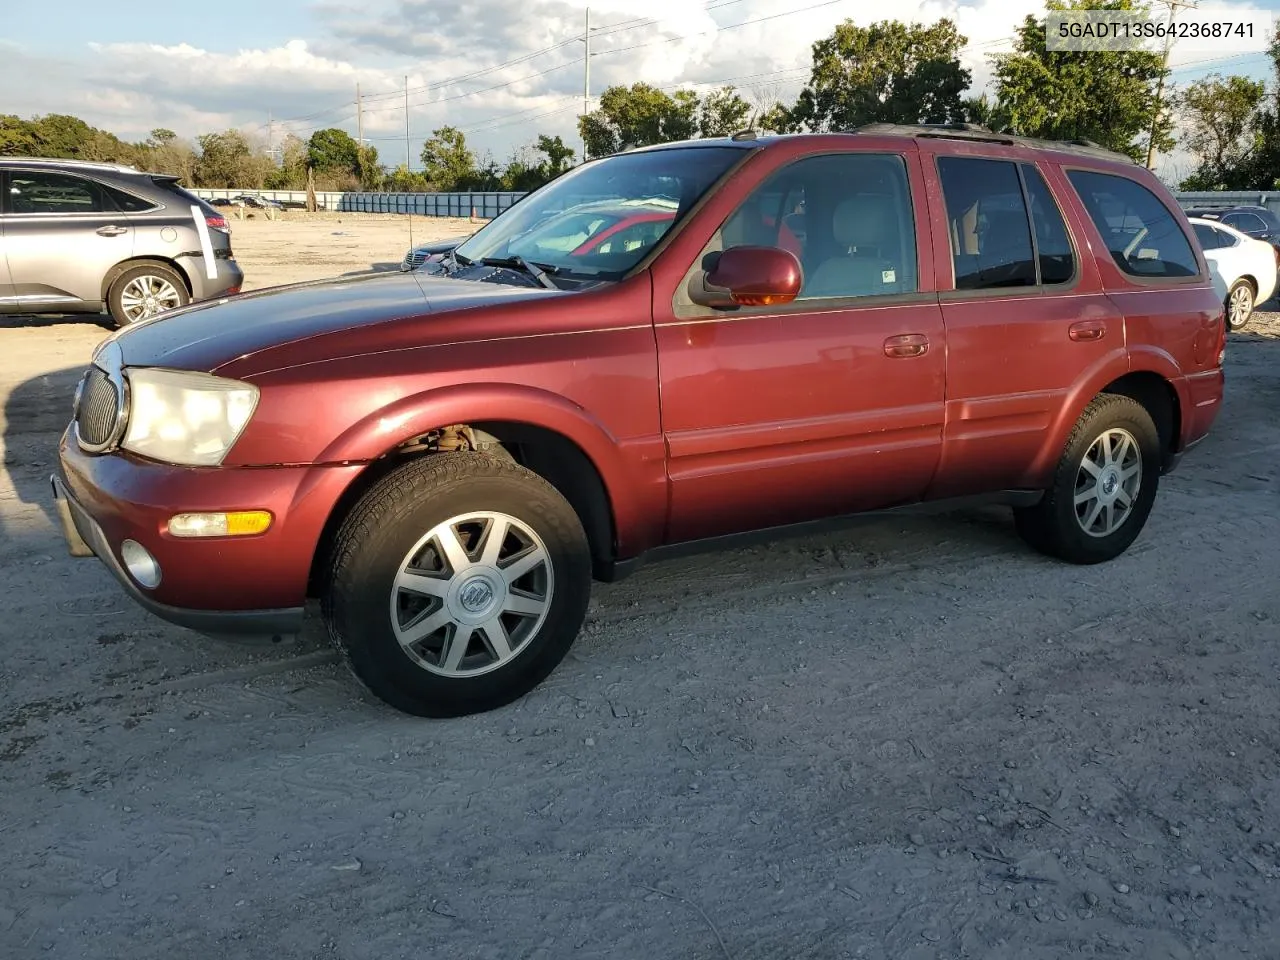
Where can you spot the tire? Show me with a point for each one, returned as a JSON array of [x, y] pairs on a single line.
[[1240, 304], [371, 602], [168, 292], [1056, 525]]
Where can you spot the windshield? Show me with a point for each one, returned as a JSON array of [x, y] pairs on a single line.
[[600, 219]]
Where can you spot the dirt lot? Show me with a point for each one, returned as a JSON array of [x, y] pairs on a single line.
[[916, 739]]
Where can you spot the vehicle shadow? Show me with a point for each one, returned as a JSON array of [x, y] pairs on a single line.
[[19, 321], [36, 412]]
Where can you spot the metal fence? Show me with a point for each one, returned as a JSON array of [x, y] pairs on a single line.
[[482, 205], [485, 205], [1228, 198]]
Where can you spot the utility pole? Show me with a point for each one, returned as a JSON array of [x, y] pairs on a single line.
[[586, 76], [586, 79], [359, 117], [1173, 6], [407, 164]]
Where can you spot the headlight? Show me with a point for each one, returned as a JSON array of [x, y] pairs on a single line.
[[192, 419]]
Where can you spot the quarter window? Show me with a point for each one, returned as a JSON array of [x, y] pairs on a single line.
[[846, 217], [1142, 235]]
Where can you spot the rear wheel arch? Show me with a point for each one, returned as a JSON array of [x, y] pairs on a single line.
[[120, 268], [550, 454], [1158, 396]]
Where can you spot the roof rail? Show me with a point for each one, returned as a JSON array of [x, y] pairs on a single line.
[[72, 162], [978, 133]]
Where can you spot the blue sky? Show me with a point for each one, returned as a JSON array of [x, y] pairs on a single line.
[[196, 68]]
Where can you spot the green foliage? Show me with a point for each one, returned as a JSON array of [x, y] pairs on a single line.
[[447, 162], [889, 72], [1221, 117], [723, 112], [1107, 97], [229, 159], [334, 151], [638, 116]]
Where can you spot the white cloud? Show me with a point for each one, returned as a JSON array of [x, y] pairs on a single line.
[[453, 56]]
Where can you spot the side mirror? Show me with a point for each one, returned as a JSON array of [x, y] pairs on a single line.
[[747, 277]]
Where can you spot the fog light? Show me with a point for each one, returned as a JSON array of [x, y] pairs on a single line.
[[241, 523], [141, 565]]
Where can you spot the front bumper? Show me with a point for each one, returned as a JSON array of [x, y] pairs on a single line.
[[253, 585], [85, 539]]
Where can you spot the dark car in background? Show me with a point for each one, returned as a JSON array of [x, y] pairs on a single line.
[[78, 237], [1252, 220]]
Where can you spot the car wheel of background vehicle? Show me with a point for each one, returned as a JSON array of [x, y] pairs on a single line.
[[143, 291], [1104, 486], [457, 584], [1239, 305]]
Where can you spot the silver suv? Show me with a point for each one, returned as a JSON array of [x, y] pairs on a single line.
[[76, 237]]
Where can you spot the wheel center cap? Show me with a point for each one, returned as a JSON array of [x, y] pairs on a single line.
[[476, 597], [1110, 483]]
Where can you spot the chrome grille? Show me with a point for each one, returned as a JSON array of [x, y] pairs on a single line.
[[97, 409], [413, 259]]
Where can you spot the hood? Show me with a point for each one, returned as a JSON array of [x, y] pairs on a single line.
[[207, 335]]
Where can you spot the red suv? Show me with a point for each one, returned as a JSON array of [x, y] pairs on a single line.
[[825, 325]]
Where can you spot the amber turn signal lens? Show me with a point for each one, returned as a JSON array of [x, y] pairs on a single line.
[[761, 299], [241, 523]]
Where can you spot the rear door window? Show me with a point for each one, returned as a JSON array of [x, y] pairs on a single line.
[[45, 192], [1054, 252], [1246, 222], [1210, 239], [1140, 232], [988, 223]]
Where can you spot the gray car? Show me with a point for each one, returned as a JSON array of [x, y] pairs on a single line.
[[78, 237]]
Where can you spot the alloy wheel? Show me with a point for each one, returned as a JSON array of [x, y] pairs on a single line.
[[1107, 482], [147, 295], [471, 594]]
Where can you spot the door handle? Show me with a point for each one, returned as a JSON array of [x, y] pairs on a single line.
[[906, 345], [1084, 330], [111, 231]]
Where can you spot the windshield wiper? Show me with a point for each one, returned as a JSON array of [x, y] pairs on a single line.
[[539, 271]]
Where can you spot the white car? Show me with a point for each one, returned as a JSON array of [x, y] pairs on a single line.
[[1244, 268]]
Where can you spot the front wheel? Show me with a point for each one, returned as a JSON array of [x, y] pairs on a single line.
[[1240, 305], [458, 583], [1104, 487]]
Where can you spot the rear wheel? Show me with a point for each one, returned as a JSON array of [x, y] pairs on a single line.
[[144, 291], [1104, 487], [458, 583], [1240, 303]]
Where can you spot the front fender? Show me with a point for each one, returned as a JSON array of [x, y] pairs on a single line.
[[381, 432]]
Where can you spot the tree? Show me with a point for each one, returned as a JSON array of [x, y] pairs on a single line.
[[1105, 96], [446, 160], [722, 112], [638, 116], [229, 159], [333, 151], [1261, 169], [889, 72], [1221, 117], [559, 157]]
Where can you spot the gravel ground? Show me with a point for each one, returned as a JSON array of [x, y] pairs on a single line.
[[913, 739]]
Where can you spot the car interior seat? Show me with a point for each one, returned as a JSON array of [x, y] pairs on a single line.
[[865, 230]]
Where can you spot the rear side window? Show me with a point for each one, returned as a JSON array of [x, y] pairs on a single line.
[[1208, 237], [1246, 222], [987, 216], [1142, 235], [1053, 243]]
